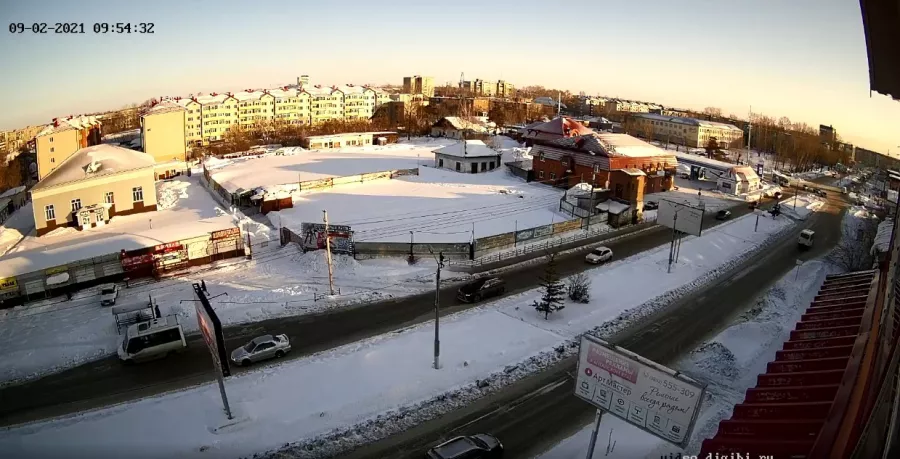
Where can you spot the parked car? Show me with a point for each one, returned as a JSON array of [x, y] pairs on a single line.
[[480, 446], [480, 289], [651, 205], [599, 255], [261, 348], [723, 215], [806, 238], [108, 294], [778, 195], [822, 193], [151, 340]]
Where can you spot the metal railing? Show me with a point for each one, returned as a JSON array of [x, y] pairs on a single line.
[[550, 244]]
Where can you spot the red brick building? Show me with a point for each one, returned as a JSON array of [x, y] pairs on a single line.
[[626, 166], [557, 128]]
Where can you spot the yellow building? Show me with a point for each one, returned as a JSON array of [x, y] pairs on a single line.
[[163, 132], [687, 131], [62, 138], [325, 104], [419, 85], [93, 185], [255, 107], [291, 105]]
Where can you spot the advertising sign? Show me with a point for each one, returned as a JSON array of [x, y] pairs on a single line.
[[167, 247], [643, 393], [314, 237], [8, 284], [56, 270], [566, 226], [132, 263], [681, 217], [211, 329], [497, 240], [229, 233], [534, 233], [313, 184]]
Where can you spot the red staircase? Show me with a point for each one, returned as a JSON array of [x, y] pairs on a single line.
[[782, 416]]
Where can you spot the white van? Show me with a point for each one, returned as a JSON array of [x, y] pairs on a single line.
[[806, 238], [151, 340]]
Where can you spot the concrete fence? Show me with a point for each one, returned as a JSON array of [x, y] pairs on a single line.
[[358, 178]]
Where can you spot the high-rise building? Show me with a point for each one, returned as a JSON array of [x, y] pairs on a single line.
[[419, 85]]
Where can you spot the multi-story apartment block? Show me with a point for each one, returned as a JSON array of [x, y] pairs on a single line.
[[419, 85], [505, 90], [254, 106], [291, 105], [480, 87], [686, 131], [12, 141], [325, 104], [163, 132], [359, 101], [617, 105], [56, 142]]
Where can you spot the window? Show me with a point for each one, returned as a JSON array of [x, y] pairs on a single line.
[[540, 174], [491, 165], [458, 166], [49, 213], [52, 160], [51, 139], [552, 175], [86, 220], [52, 149], [596, 168], [108, 198], [541, 156], [440, 163], [137, 194], [76, 204]]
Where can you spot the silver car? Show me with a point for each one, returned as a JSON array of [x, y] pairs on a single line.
[[261, 348]]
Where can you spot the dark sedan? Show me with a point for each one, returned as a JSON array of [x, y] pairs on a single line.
[[723, 215]]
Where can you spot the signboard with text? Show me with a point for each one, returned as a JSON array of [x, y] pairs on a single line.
[[211, 329], [681, 217], [230, 233], [642, 393]]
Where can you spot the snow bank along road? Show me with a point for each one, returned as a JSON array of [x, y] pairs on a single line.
[[538, 411], [107, 381]]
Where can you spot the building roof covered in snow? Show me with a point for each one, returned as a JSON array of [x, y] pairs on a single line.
[[467, 149], [688, 121], [166, 106], [70, 122], [612, 206], [472, 123], [97, 161], [12, 192], [742, 174], [883, 236], [548, 101], [610, 144], [556, 128]]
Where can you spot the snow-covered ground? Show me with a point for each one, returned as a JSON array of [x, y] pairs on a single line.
[[19, 225], [185, 210], [270, 170], [438, 206], [728, 363], [384, 384], [801, 205]]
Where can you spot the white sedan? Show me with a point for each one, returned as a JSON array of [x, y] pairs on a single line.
[[599, 255]]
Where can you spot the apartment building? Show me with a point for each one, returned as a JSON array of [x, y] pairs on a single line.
[[359, 101], [325, 104], [593, 105], [686, 131], [419, 85], [291, 106], [12, 141], [63, 137], [620, 105], [163, 132], [480, 87]]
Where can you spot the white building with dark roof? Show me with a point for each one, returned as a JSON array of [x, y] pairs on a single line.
[[468, 156], [691, 132], [92, 186]]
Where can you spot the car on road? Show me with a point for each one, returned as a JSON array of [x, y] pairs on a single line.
[[480, 289], [821, 193], [723, 215], [651, 205], [261, 348], [599, 255], [806, 238], [480, 446], [152, 339], [108, 294]]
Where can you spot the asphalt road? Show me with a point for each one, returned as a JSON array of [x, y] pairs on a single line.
[[107, 381], [538, 412]]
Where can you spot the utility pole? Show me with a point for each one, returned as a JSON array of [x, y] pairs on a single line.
[[597, 418], [437, 312], [672, 245], [328, 253], [749, 132]]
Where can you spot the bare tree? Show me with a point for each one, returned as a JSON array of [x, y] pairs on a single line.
[[854, 251]]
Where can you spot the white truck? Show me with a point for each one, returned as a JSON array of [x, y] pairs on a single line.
[[806, 238]]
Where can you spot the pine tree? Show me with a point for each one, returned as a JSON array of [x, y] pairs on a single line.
[[554, 290]]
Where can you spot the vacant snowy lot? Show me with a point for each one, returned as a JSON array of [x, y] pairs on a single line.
[[301, 165], [376, 381], [185, 210], [437, 206]]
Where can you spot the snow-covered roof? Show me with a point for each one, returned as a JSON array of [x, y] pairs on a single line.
[[556, 128], [634, 172], [97, 161], [473, 149], [12, 192], [613, 207], [688, 121], [626, 145], [883, 236], [473, 123], [72, 122], [744, 173], [165, 106], [703, 160]]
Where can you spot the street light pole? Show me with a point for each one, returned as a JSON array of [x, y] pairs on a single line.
[[437, 312]]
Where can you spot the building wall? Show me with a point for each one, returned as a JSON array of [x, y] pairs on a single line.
[[686, 134], [483, 164], [260, 108], [293, 109], [53, 149], [337, 140], [93, 191], [163, 135], [218, 117]]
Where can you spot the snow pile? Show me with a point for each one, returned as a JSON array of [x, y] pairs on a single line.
[[170, 192], [15, 229], [801, 205]]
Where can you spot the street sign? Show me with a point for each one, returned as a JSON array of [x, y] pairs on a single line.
[[681, 217], [645, 394], [211, 329]]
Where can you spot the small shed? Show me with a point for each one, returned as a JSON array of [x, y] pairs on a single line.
[[738, 180], [468, 156], [619, 212], [270, 202]]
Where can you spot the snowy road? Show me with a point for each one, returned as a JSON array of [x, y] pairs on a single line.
[[105, 381], [539, 411]]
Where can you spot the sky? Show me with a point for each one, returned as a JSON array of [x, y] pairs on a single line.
[[805, 59]]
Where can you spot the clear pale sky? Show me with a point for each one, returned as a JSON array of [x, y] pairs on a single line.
[[805, 59]]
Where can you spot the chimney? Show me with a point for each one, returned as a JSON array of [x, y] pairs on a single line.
[[214, 94]]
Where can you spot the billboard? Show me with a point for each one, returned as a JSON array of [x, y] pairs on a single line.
[[8, 284], [314, 237], [534, 233], [642, 393], [681, 217], [211, 329], [230, 233]]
